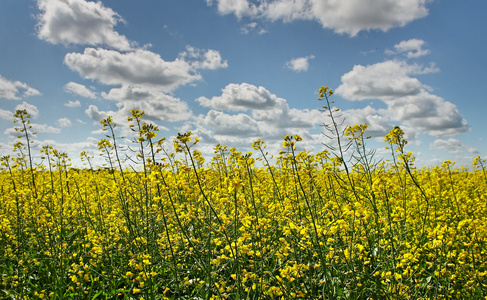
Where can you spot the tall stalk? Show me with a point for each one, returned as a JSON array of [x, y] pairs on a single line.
[[23, 117]]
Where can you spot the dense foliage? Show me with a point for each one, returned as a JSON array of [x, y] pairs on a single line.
[[313, 226]]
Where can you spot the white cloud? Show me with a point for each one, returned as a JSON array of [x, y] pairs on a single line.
[[38, 128], [389, 79], [348, 17], [80, 22], [283, 117], [145, 79], [240, 8], [299, 64], [245, 29], [11, 132], [142, 67], [74, 103], [6, 114], [428, 112], [452, 145], [407, 99], [265, 106], [44, 128], [252, 26], [157, 105], [200, 59], [412, 48], [74, 149], [79, 89], [93, 112], [98, 131], [119, 118], [241, 97], [31, 109], [230, 125], [379, 125], [264, 116], [139, 67], [15, 90], [64, 122]]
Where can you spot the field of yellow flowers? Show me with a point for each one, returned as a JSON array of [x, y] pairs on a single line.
[[311, 226]]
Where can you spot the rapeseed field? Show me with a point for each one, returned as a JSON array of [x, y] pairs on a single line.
[[332, 225]]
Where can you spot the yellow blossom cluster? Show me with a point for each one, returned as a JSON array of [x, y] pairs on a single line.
[[179, 227]]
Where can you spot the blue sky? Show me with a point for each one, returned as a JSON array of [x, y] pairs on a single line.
[[233, 71]]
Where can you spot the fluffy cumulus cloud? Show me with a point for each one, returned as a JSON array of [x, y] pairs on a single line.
[[379, 125], [44, 128], [408, 100], [15, 90], [64, 122], [34, 112], [143, 79], [241, 97], [412, 48], [452, 145], [389, 79], [252, 27], [31, 109], [79, 90], [38, 128], [299, 64], [90, 145], [95, 114], [261, 114], [80, 22], [141, 67], [157, 105], [120, 117], [229, 125], [200, 59], [349, 17], [74, 103], [282, 118], [6, 115], [272, 112]]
